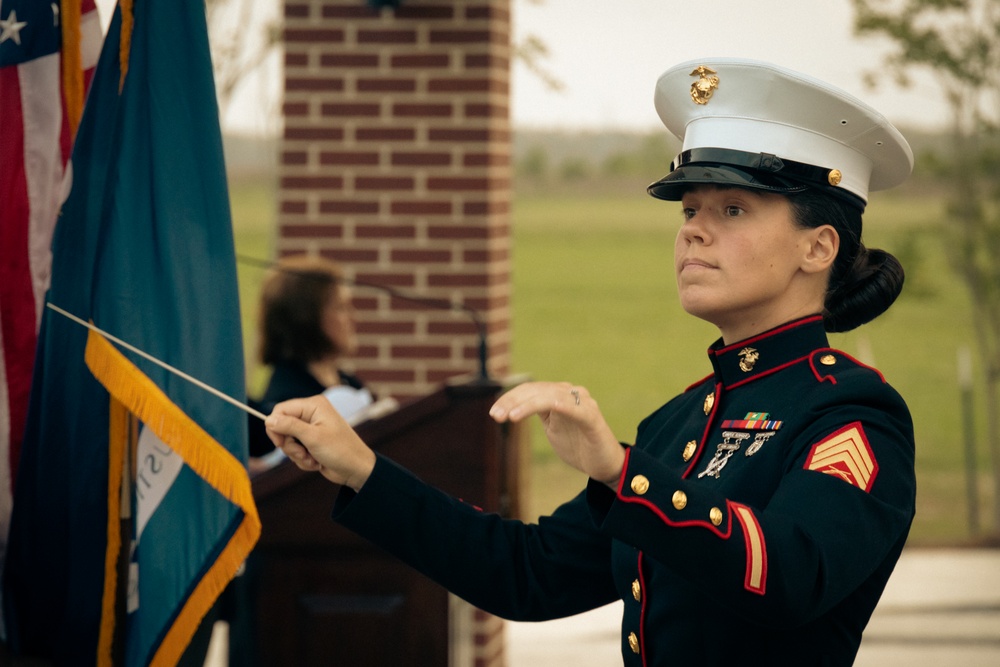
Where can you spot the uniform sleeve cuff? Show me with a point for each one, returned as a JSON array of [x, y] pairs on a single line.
[[601, 497], [378, 487]]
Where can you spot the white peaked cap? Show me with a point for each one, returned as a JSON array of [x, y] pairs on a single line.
[[755, 119]]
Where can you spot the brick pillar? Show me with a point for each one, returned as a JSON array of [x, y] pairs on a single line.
[[395, 161]]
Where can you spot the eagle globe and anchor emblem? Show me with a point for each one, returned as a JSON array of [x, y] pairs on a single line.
[[748, 357], [703, 89]]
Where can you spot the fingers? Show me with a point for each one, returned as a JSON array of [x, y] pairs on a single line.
[[287, 412], [315, 437], [573, 423], [300, 456], [294, 418], [289, 426], [539, 398]]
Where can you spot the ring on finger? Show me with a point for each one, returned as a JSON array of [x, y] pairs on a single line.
[[576, 395]]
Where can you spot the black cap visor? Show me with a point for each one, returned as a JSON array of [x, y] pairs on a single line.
[[725, 167], [673, 186]]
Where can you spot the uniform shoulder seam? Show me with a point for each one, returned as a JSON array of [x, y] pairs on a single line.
[[824, 364]]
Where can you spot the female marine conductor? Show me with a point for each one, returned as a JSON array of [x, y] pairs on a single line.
[[758, 515]]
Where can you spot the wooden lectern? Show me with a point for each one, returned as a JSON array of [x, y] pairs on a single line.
[[324, 596]]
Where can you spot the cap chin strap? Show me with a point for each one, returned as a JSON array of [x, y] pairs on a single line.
[[763, 162]]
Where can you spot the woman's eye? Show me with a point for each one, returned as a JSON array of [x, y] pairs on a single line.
[[688, 213], [733, 211]]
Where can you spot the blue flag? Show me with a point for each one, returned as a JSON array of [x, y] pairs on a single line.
[[132, 506]]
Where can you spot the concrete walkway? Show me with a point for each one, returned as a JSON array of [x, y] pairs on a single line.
[[940, 607]]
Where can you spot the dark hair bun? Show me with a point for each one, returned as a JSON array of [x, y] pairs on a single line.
[[864, 292]]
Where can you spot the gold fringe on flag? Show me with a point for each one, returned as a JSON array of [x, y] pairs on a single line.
[[72, 63], [206, 457], [120, 437], [125, 46]]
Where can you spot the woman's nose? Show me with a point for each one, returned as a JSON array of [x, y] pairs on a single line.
[[693, 230]]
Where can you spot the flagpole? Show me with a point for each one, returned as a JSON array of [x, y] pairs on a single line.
[[179, 373]]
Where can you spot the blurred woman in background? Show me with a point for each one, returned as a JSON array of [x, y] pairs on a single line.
[[306, 328]]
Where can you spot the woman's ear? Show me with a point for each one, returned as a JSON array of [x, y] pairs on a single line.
[[824, 242]]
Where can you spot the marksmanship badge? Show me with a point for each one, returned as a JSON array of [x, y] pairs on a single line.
[[731, 441], [758, 441]]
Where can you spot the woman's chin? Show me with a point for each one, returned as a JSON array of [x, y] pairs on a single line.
[[701, 308]]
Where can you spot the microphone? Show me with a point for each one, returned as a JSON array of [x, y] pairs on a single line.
[[430, 302]]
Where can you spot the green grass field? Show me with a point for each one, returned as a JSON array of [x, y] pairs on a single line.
[[595, 304], [253, 209]]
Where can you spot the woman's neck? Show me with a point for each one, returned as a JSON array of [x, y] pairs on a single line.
[[325, 371]]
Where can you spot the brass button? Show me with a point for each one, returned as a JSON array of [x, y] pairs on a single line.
[[689, 450], [633, 643], [680, 500], [640, 484], [835, 177], [709, 402], [715, 516], [828, 360], [637, 590]]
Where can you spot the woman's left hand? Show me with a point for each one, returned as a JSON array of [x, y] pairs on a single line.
[[573, 423]]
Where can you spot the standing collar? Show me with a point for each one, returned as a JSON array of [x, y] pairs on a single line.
[[767, 352]]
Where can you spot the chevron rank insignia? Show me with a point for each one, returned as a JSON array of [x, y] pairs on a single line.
[[845, 454]]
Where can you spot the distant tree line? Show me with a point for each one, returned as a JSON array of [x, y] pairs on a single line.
[[561, 157], [569, 157]]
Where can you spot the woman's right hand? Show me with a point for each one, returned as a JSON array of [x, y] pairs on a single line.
[[316, 438]]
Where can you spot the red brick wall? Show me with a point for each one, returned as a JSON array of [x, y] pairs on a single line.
[[395, 161]]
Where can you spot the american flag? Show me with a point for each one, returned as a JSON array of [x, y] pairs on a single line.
[[47, 54]]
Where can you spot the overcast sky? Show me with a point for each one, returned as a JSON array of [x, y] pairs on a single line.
[[608, 55]]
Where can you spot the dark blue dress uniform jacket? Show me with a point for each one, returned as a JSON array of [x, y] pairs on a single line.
[[756, 521]]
